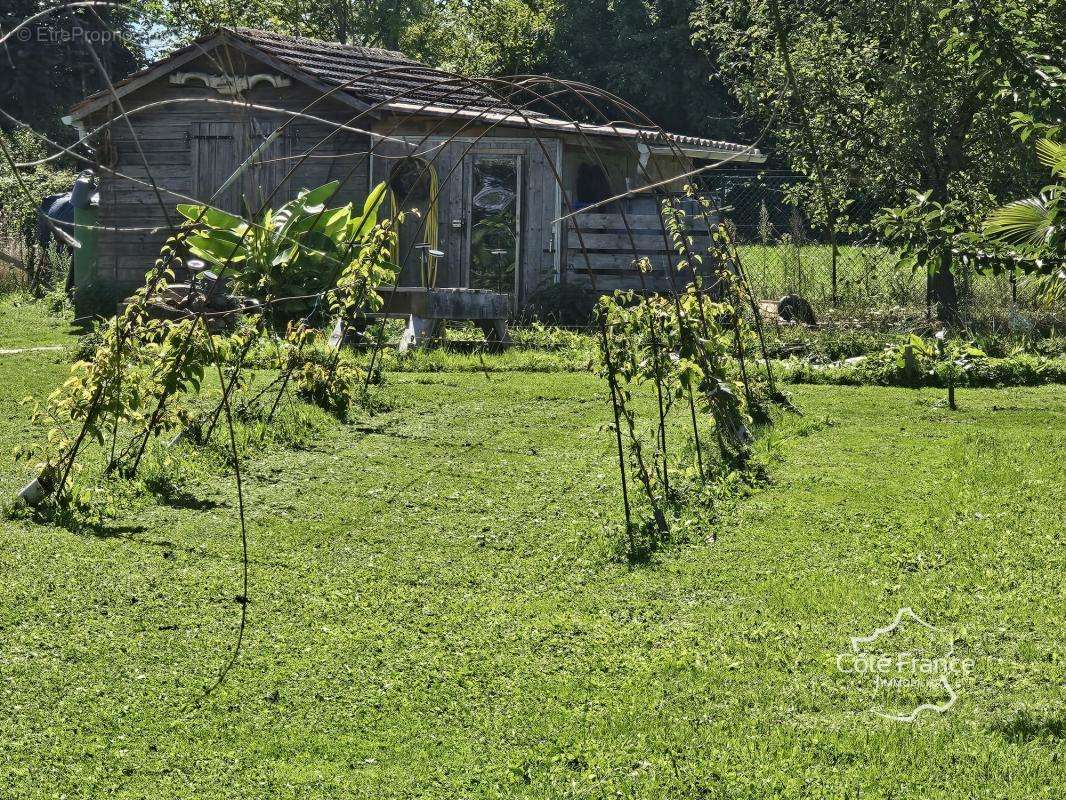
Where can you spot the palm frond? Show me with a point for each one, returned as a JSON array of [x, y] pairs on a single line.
[[1030, 221], [1053, 155], [1050, 289]]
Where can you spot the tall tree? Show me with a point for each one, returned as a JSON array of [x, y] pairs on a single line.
[[371, 23], [473, 36], [47, 67], [642, 50], [485, 37], [891, 96]]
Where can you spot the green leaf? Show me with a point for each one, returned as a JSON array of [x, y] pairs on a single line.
[[1023, 221], [318, 197], [214, 249], [285, 257], [190, 211], [211, 217]]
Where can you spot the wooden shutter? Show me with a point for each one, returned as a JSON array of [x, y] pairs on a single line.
[[215, 149], [218, 150]]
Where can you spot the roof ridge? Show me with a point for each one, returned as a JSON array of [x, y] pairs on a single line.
[[313, 40]]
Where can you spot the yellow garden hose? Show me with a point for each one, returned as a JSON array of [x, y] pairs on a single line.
[[432, 226]]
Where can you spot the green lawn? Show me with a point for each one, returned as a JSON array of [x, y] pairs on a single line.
[[25, 323], [435, 612]]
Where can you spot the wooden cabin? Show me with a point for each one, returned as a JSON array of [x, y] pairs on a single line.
[[491, 178]]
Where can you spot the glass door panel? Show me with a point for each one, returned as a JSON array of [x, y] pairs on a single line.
[[411, 183], [494, 221]]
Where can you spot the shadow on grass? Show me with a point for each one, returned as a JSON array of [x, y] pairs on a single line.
[[82, 326], [1025, 727], [102, 530], [182, 499], [642, 541]]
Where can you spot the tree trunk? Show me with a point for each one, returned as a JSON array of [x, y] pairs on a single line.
[[942, 168], [942, 292], [343, 15]]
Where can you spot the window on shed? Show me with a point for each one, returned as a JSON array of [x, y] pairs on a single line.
[[593, 185]]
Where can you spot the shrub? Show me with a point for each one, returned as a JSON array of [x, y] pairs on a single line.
[[18, 213], [883, 370], [297, 250], [332, 390]]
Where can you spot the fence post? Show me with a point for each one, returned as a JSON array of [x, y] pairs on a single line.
[[833, 269]]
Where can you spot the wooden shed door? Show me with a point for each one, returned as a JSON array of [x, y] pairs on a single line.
[[219, 148], [509, 204], [215, 156], [496, 202], [444, 161], [493, 204]]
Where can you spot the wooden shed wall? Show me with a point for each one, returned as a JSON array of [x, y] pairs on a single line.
[[184, 144], [176, 159], [449, 145], [601, 246]]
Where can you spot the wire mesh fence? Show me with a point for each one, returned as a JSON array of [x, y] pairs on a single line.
[[785, 251]]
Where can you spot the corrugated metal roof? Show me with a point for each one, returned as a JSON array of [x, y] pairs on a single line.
[[625, 130]]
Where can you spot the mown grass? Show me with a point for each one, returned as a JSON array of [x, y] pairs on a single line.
[[25, 322], [435, 610]]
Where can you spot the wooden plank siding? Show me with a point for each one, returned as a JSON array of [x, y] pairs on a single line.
[[451, 163], [609, 245], [189, 148]]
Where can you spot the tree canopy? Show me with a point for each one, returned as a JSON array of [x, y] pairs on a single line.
[[47, 66], [878, 98], [897, 95]]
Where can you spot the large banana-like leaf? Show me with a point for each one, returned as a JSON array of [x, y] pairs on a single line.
[[285, 257], [211, 217], [1049, 288], [298, 216], [317, 198], [216, 248], [297, 249], [335, 224], [360, 226]]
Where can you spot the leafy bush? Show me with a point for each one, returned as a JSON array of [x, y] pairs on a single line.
[[884, 370], [332, 390], [167, 472], [86, 346], [18, 213], [824, 345], [547, 337], [297, 250], [57, 266]]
